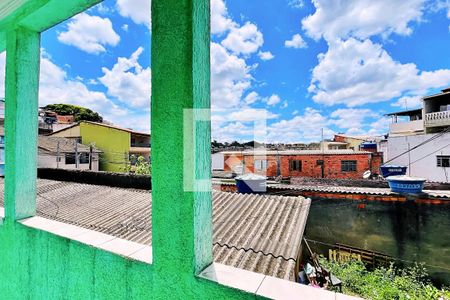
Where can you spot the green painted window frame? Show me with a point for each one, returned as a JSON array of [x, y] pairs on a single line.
[[180, 45]]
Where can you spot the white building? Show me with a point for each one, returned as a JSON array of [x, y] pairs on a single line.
[[64, 153], [420, 139]]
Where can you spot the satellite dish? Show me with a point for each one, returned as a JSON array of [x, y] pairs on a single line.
[[367, 174]]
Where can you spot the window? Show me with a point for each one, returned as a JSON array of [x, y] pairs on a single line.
[[260, 165], [84, 158], [296, 165], [443, 161], [70, 159], [319, 162], [348, 166]]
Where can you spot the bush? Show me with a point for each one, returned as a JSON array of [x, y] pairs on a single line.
[[385, 282]]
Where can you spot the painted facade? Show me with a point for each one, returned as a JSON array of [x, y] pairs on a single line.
[[63, 153], [116, 144]]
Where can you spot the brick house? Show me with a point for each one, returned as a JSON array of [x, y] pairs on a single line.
[[337, 164]]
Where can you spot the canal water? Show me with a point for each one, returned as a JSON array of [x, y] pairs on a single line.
[[407, 231]]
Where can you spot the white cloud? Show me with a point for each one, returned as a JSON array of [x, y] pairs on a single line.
[[356, 72], [379, 127], [2, 74], [137, 10], [125, 27], [295, 112], [56, 87], [296, 3], [305, 128], [89, 33], [441, 5], [348, 118], [128, 81], [251, 98], [101, 8], [265, 55], [408, 102], [230, 77], [244, 40], [362, 18], [220, 21], [296, 42], [272, 100]]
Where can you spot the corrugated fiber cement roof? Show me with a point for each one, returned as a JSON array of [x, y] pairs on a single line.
[[258, 233]]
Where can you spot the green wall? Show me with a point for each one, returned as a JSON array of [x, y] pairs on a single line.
[[114, 143], [38, 265]]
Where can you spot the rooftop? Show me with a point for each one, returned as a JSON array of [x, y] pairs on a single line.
[[104, 125], [64, 145], [410, 112], [442, 93], [298, 152], [253, 232]]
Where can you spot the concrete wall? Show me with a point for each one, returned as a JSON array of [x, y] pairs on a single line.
[[114, 143], [423, 159], [410, 127], [46, 160], [69, 132], [404, 230]]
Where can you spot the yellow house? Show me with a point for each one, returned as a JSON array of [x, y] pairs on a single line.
[[116, 143]]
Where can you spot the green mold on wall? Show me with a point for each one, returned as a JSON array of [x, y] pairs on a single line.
[[38, 265]]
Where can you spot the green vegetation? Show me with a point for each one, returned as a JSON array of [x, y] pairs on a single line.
[[80, 113], [141, 167], [385, 282]]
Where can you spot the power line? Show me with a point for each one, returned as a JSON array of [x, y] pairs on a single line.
[[420, 145]]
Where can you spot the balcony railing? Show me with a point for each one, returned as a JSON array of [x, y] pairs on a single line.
[[441, 118]]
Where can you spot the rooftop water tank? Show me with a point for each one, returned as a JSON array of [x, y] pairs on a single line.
[[251, 183]]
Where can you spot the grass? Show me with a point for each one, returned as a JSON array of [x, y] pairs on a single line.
[[385, 282]]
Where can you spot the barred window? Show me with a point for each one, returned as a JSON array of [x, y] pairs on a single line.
[[84, 158], [348, 166], [443, 161], [296, 165]]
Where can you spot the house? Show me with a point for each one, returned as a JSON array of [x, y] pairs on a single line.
[[420, 139], [304, 163], [117, 144], [64, 153]]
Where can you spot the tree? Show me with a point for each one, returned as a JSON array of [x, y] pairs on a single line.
[[80, 113], [141, 167]]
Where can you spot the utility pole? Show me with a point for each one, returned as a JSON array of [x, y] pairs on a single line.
[[76, 155], [90, 157], [409, 159], [57, 155], [323, 155]]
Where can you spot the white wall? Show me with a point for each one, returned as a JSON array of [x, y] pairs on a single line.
[[406, 127], [217, 161], [423, 159], [49, 161]]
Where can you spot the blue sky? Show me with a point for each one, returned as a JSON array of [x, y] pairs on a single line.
[[302, 65]]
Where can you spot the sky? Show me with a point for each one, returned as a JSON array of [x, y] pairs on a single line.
[[298, 65]]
